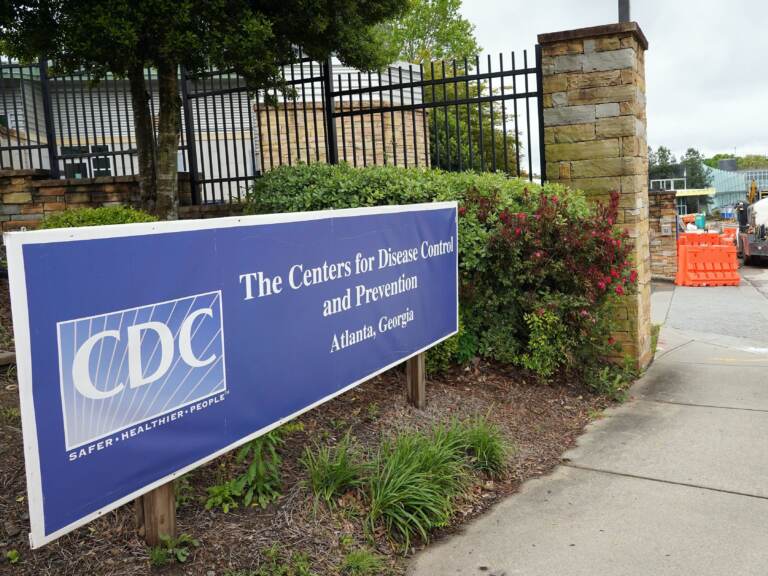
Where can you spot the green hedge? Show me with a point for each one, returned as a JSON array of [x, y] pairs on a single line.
[[96, 217], [537, 264]]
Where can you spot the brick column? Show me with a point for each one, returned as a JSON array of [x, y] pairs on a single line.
[[595, 140]]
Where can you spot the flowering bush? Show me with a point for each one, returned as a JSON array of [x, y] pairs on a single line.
[[538, 297], [538, 265]]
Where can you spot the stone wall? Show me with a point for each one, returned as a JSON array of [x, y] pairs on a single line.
[[296, 134], [595, 136], [662, 223], [29, 195]]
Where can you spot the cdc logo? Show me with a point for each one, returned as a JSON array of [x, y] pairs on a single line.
[[126, 367]]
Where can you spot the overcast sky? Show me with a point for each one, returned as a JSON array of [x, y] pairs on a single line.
[[706, 68]]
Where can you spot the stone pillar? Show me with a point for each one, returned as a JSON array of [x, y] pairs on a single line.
[[595, 140], [662, 222]]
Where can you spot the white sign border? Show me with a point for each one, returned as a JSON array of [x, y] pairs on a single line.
[[14, 241]]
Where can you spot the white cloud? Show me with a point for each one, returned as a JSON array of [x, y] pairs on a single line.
[[706, 75]]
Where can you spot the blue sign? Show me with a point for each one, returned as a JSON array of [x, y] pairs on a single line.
[[146, 350]]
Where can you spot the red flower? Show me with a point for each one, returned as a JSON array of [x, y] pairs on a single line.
[[633, 276], [611, 340], [518, 231], [614, 273], [619, 290], [462, 211], [601, 285]]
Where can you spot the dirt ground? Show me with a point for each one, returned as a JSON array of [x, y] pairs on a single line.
[[541, 422]]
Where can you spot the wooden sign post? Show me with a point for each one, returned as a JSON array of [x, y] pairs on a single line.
[[156, 514], [415, 381]]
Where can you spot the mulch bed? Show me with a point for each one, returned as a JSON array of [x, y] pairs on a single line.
[[540, 421], [6, 327]]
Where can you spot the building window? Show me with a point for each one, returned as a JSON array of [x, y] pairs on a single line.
[[102, 165], [74, 168], [4, 120]]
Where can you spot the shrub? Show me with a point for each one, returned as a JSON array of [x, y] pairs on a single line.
[[547, 343], [441, 357], [538, 266], [96, 217], [547, 284], [332, 471]]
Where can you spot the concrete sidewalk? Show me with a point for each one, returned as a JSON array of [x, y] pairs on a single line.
[[674, 482]]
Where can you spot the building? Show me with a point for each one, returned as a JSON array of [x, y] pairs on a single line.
[[733, 186]]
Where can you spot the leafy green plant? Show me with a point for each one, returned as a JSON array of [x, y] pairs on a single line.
[[548, 343], [183, 490], [96, 217], [655, 329], [10, 414], [612, 380], [346, 540], [13, 556], [363, 563], [172, 549], [373, 411], [224, 495], [159, 556], [260, 483], [277, 563], [332, 470]]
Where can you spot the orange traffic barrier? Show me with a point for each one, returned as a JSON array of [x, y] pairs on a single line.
[[706, 260], [730, 234]]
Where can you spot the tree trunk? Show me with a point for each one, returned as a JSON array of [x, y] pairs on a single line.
[[169, 126], [145, 138]]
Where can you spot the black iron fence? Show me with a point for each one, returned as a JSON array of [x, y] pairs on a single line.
[[481, 115]]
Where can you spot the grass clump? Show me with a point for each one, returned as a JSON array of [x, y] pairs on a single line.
[[404, 498], [484, 445], [363, 563], [415, 478], [332, 470]]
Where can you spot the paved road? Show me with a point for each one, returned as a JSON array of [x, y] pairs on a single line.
[[674, 482], [757, 276]]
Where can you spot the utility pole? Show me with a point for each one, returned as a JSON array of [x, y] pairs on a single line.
[[624, 15]]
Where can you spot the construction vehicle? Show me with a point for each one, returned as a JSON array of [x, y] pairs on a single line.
[[751, 240]]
